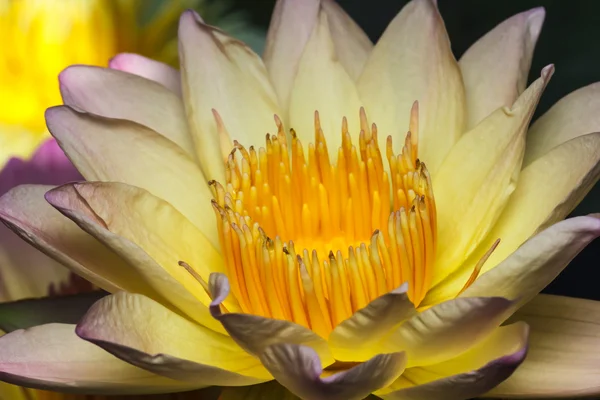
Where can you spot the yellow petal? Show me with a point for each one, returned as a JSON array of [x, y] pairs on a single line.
[[298, 368], [478, 176], [323, 84], [496, 67], [53, 357], [446, 330], [563, 360], [24, 210], [141, 331], [547, 191], [269, 390], [353, 339], [150, 69], [100, 148], [115, 94], [413, 61], [254, 333], [146, 232], [469, 375], [291, 25], [352, 46], [574, 115], [221, 73], [537, 262]]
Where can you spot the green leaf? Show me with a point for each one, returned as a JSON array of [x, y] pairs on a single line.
[[31, 312]]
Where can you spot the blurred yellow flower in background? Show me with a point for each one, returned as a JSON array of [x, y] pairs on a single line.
[[42, 37]]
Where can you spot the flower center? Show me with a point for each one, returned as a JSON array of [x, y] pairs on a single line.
[[312, 241]]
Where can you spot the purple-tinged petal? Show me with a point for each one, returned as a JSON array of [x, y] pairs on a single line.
[[299, 369], [147, 68]]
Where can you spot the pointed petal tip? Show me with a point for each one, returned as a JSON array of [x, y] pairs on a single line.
[[547, 72]]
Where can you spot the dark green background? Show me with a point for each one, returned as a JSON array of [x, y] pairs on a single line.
[[570, 39]]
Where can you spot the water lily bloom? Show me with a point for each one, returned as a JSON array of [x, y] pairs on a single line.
[[392, 243]]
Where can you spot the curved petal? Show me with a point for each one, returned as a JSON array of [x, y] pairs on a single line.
[[322, 84], [574, 115], [32, 312], [537, 262], [496, 67], [413, 61], [547, 191], [291, 25], [144, 333], [120, 95], [446, 330], [147, 68], [53, 357], [254, 333], [352, 45], [24, 210], [468, 375], [562, 361], [478, 176], [100, 148], [220, 73], [147, 233], [351, 339], [299, 369], [269, 390]]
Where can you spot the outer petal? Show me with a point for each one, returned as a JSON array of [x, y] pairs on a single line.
[[32, 312], [470, 374], [562, 361], [478, 176], [572, 116], [446, 330], [298, 368], [144, 333], [547, 191], [413, 61], [53, 357], [221, 73], [269, 390], [255, 334], [147, 68], [535, 264], [146, 232], [352, 339], [496, 67], [115, 94], [323, 84], [291, 25], [25, 211], [100, 148]]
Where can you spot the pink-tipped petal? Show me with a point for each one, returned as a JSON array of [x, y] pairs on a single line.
[[52, 357], [496, 67], [299, 369], [469, 375], [115, 94], [144, 333], [147, 68], [254, 333]]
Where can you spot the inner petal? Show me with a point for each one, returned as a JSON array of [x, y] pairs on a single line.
[[312, 241]]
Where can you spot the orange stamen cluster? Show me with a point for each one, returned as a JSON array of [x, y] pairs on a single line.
[[310, 241]]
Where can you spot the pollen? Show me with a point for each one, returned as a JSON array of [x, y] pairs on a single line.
[[312, 241]]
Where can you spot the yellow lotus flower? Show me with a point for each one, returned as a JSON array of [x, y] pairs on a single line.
[[329, 272]]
